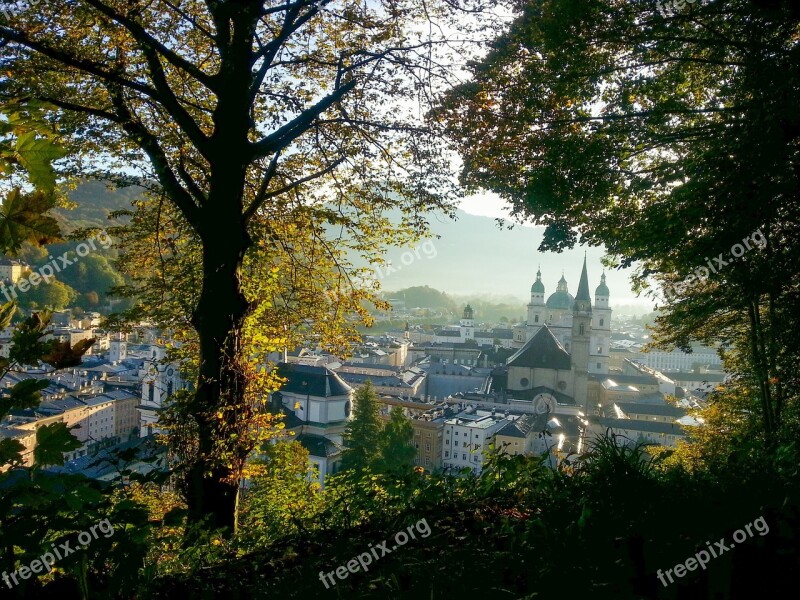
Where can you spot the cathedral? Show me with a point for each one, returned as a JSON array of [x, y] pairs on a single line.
[[558, 314], [564, 339]]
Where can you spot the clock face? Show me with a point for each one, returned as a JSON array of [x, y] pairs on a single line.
[[170, 371]]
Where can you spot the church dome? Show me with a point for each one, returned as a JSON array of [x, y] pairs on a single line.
[[602, 289], [538, 286], [560, 300]]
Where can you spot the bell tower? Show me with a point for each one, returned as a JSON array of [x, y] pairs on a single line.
[[581, 338]]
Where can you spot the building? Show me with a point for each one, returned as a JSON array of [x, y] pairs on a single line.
[[318, 404], [467, 437], [632, 431], [429, 436], [697, 383], [387, 380], [11, 270], [558, 314], [126, 417], [518, 436], [679, 361], [160, 379], [655, 413]]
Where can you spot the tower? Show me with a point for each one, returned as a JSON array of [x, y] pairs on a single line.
[[117, 348], [601, 329], [536, 308], [467, 324], [581, 339]]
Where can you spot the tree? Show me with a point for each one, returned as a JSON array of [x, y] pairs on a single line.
[[237, 113], [38, 508], [283, 494], [668, 138], [363, 437], [54, 295], [397, 443]]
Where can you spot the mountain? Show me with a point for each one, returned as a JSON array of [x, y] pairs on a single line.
[[473, 256], [94, 201]]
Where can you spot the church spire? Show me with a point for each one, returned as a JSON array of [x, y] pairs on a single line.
[[583, 301]]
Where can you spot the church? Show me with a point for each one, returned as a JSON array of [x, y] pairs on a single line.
[[564, 339], [558, 314]]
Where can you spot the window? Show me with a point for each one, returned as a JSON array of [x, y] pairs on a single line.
[[601, 322], [446, 454], [447, 442], [427, 462], [463, 457], [580, 329], [476, 435], [427, 447], [536, 318], [455, 443], [598, 365], [524, 382], [416, 445]]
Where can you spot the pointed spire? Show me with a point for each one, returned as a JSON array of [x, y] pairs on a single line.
[[538, 286], [602, 289], [583, 287]]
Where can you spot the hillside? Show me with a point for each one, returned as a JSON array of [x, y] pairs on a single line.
[[94, 201]]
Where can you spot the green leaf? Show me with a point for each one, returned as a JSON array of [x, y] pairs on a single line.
[[24, 394], [36, 156], [7, 311], [26, 348], [22, 219], [10, 451], [51, 443], [62, 355]]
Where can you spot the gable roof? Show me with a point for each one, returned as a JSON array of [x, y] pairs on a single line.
[[542, 351]]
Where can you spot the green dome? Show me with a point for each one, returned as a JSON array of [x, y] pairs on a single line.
[[561, 301], [538, 286], [602, 289]]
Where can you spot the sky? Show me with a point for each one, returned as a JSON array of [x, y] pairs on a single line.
[[488, 204]]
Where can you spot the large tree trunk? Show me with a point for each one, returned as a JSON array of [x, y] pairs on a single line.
[[219, 319]]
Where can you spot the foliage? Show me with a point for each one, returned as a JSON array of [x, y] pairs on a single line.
[[283, 497], [260, 125], [667, 138], [362, 438], [396, 443], [519, 524]]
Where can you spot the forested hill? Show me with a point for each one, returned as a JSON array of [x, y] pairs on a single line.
[[93, 202]]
